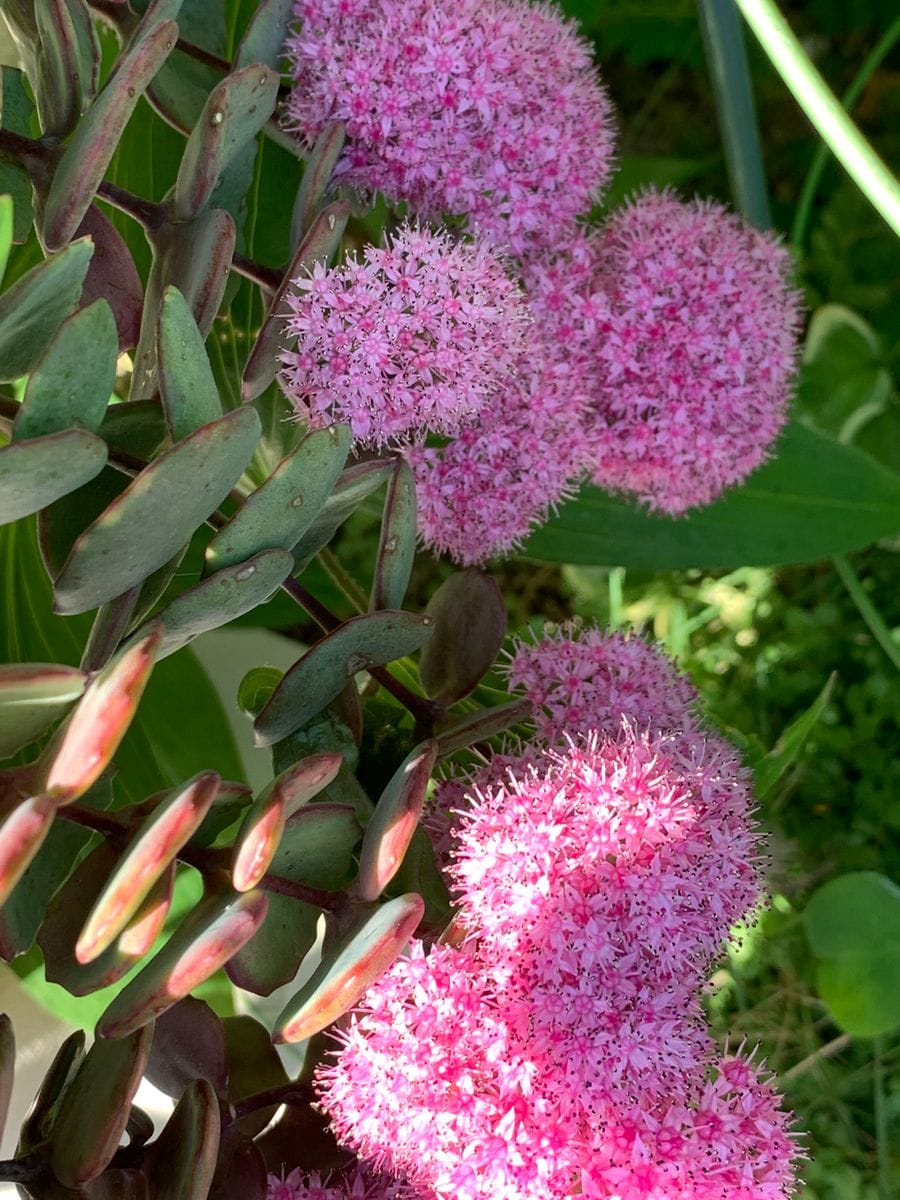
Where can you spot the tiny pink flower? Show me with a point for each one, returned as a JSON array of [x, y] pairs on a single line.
[[417, 337], [695, 351], [487, 109], [355, 1183]]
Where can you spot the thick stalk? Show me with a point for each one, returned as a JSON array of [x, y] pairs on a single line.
[[823, 109]]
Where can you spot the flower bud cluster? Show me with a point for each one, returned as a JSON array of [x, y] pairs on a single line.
[[559, 1048], [660, 350]]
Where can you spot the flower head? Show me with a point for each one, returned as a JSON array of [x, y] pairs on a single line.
[[581, 679], [489, 109], [416, 337], [695, 351]]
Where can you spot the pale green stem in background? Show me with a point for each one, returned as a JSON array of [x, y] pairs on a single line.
[[823, 109], [874, 59], [726, 55], [867, 610]]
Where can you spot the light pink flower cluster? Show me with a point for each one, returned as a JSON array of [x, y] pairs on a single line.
[[695, 351], [488, 109], [357, 1183], [416, 337], [581, 679], [562, 1044]]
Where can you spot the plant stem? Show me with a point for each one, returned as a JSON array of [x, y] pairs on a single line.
[[823, 109], [813, 178], [867, 610], [285, 1093], [882, 1124], [726, 54]]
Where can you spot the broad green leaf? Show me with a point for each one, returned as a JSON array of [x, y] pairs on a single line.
[[35, 306], [70, 387], [853, 926], [234, 113], [814, 499], [773, 765], [87, 154], [186, 384], [346, 972], [95, 1107], [324, 671], [32, 697], [281, 510], [181, 87], [36, 472], [397, 545], [273, 955], [157, 513], [221, 598]]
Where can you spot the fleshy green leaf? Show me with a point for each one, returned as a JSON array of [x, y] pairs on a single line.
[[183, 1160], [95, 1107], [353, 486], [814, 499], [188, 1044], [37, 1125], [157, 513], [224, 596], [273, 955], [394, 821], [853, 926], [112, 276], [317, 846], [35, 306], [265, 35], [236, 110], [36, 472], [70, 387], [32, 696], [324, 671], [317, 174], [253, 1066], [346, 973], [397, 545], [469, 618], [281, 510], [87, 155], [67, 63], [186, 384]]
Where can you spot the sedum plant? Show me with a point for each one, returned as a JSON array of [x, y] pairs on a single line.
[[506, 901]]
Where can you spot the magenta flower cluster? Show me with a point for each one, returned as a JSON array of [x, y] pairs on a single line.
[[355, 1183], [661, 346], [557, 1046], [416, 337], [487, 109]]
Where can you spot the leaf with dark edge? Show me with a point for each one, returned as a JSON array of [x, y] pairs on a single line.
[[71, 385], [67, 62], [264, 824], [317, 173], [236, 110], [22, 832], [182, 1161], [282, 508], [36, 472], [394, 821], [266, 33], [318, 844], [346, 972], [253, 1066], [157, 513], [95, 1107], [319, 245], [188, 390], [323, 672], [154, 846], [112, 276], [273, 955], [352, 487], [45, 1106], [32, 697], [241, 1171], [83, 748], [188, 1044], [88, 152], [397, 544], [469, 617], [221, 598], [204, 942]]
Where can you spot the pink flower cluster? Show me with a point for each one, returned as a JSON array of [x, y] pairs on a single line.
[[416, 337], [488, 109], [695, 350], [563, 1041], [355, 1184]]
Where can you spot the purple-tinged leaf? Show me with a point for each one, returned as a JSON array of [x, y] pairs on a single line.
[[317, 173], [90, 149], [253, 1066], [469, 626], [476, 727], [22, 831], [394, 821], [32, 697], [351, 968], [113, 276], [182, 1162], [7, 1067], [95, 1107], [67, 62], [45, 1106], [241, 1171], [319, 244], [273, 955], [188, 1044]]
